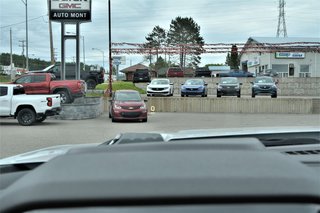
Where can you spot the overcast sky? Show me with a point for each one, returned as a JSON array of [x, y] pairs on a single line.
[[228, 21]]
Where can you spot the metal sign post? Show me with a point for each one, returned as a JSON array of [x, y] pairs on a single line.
[[70, 12]]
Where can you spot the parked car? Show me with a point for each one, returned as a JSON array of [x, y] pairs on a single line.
[[264, 85], [92, 77], [269, 72], [27, 109], [141, 75], [202, 72], [229, 86], [194, 87], [127, 105], [236, 73], [175, 72], [45, 83], [161, 87]]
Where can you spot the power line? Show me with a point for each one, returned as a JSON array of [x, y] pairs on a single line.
[[10, 25]]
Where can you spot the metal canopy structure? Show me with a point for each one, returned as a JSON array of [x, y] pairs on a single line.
[[214, 48]]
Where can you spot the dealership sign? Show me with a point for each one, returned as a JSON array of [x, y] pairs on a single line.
[[286, 55], [70, 10], [253, 62]]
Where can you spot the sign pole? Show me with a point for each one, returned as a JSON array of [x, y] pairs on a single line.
[[63, 66]]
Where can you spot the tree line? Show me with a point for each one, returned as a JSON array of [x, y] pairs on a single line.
[[181, 31]]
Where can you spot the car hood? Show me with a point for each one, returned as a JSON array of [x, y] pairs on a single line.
[[42, 155], [228, 85], [265, 84], [192, 86], [129, 103], [46, 154]]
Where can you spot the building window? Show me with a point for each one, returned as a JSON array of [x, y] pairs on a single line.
[[281, 69], [304, 71]]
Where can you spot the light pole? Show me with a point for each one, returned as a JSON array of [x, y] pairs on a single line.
[[102, 55], [25, 2]]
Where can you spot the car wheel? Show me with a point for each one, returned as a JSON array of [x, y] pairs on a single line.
[[65, 98], [218, 95], [253, 95], [182, 95], [110, 115], [26, 117], [274, 96], [148, 94], [239, 95], [40, 119], [145, 120], [113, 120], [91, 84]]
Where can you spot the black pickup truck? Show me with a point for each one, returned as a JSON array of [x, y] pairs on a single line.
[[92, 78]]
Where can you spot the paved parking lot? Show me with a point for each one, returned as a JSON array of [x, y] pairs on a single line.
[[15, 139]]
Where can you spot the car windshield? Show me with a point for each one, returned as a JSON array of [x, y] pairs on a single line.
[[263, 80], [160, 82], [127, 96], [194, 82], [228, 81]]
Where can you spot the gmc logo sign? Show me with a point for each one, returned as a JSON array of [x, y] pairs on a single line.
[[69, 6]]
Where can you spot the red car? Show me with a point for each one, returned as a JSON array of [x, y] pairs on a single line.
[[175, 72], [128, 105]]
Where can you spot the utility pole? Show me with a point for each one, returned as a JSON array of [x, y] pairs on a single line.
[[282, 20], [11, 62], [25, 2], [51, 38]]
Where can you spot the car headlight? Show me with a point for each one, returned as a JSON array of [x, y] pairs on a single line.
[[117, 106], [255, 86], [143, 106]]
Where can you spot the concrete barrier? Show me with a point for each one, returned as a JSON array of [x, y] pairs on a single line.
[[281, 105], [82, 108]]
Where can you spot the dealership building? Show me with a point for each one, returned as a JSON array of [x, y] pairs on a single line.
[[289, 57]]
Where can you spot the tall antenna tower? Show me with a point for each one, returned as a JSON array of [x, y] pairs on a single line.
[[281, 20]]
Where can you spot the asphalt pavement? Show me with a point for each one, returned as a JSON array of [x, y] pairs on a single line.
[[16, 139]]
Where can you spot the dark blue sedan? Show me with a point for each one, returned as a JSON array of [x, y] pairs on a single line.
[[194, 87], [236, 73]]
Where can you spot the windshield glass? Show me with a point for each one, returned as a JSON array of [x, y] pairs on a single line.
[[160, 82], [263, 80], [194, 82], [127, 96], [228, 81], [121, 69]]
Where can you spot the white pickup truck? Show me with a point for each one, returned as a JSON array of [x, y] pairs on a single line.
[[27, 109]]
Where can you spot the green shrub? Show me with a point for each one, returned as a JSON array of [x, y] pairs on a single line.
[[4, 78], [120, 85]]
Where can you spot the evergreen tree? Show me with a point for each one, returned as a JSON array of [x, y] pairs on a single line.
[[234, 58], [156, 39], [185, 34]]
